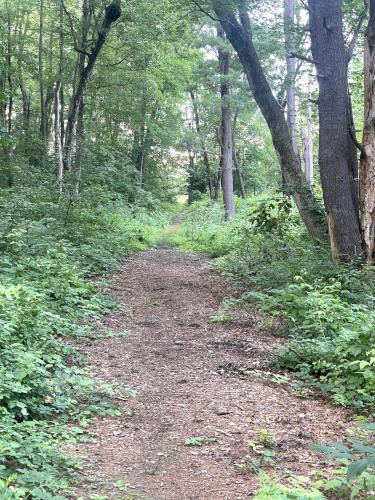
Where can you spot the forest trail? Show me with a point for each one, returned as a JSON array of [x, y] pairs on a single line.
[[195, 378]]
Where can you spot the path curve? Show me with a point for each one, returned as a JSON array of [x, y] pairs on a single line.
[[188, 372]]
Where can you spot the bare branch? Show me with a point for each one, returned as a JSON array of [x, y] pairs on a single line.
[[356, 31], [302, 58], [205, 12], [305, 6], [71, 25], [358, 144]]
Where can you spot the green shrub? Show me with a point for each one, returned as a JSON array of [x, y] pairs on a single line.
[[271, 489]]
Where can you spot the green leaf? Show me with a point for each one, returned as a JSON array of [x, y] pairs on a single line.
[[357, 468]]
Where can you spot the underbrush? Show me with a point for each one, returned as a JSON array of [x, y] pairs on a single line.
[[49, 248], [328, 307]]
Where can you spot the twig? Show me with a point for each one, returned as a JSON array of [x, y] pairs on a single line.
[[223, 432], [205, 12], [302, 58], [240, 407]]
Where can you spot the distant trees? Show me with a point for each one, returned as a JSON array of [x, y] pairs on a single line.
[[239, 33], [167, 85]]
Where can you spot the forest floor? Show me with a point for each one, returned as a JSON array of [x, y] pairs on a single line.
[[207, 401]]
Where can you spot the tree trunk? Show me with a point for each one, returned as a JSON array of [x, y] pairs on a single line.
[[308, 146], [79, 147], [80, 130], [206, 160], [61, 72], [112, 13], [226, 130], [291, 64], [9, 72], [58, 139], [236, 161], [367, 173], [337, 151], [240, 36], [43, 120]]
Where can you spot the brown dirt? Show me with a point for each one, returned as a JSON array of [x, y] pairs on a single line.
[[188, 373]]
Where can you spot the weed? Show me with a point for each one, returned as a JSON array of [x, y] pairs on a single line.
[[199, 441], [221, 318]]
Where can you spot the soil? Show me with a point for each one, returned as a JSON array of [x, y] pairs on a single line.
[[208, 403]]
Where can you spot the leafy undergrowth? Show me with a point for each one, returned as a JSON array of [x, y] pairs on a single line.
[[328, 308], [49, 248]]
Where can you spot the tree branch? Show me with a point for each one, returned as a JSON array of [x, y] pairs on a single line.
[[302, 58], [358, 144], [205, 12], [71, 25], [356, 31]]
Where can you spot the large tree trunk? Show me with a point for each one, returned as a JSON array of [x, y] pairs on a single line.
[[367, 173], [226, 130], [112, 13], [206, 160], [291, 65], [240, 36], [337, 151]]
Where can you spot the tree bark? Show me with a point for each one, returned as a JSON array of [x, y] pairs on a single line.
[[239, 34], [226, 129], [291, 64], [337, 151], [367, 171], [112, 13]]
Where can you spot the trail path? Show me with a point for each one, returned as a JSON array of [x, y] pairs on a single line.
[[188, 372]]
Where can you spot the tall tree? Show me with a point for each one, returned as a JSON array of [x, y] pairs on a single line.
[[291, 65], [337, 151], [43, 117], [112, 13], [226, 160], [367, 172], [239, 33]]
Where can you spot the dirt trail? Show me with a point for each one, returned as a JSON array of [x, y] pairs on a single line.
[[188, 372]]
